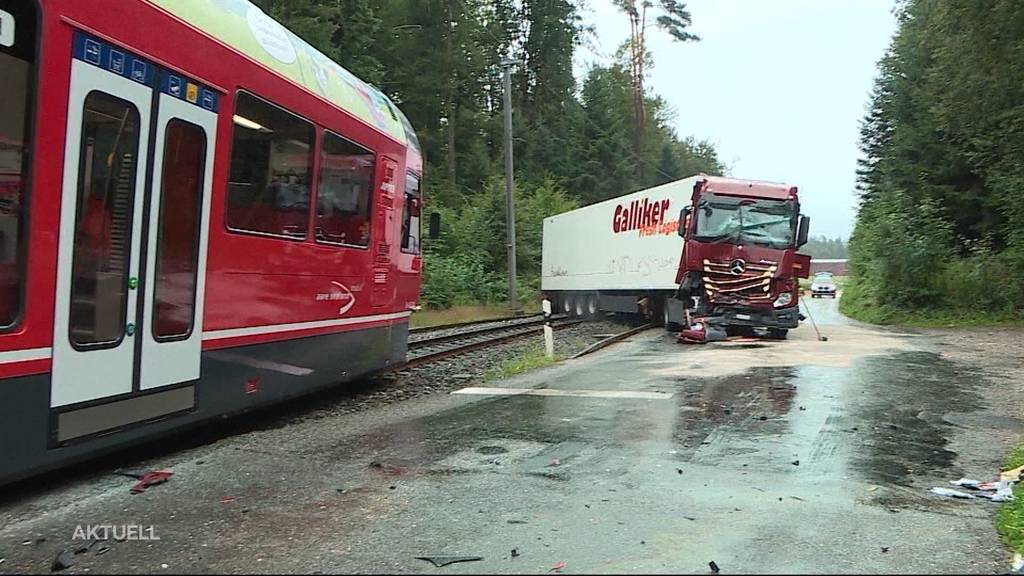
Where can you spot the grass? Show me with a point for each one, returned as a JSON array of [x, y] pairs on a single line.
[[860, 306], [1010, 521], [531, 359]]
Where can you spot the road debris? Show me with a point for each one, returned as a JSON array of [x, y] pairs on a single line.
[[994, 491], [950, 493], [555, 462], [557, 567], [63, 561], [227, 499], [147, 479], [515, 553], [885, 549], [713, 566], [440, 561]]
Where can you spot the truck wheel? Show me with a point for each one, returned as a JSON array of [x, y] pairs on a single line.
[[778, 333]]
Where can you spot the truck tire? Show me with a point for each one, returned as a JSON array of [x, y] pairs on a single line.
[[778, 333]]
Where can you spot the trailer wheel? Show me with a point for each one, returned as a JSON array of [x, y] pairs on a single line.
[[566, 304], [592, 308], [666, 320]]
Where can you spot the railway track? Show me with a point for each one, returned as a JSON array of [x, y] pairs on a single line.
[[501, 320], [459, 339]]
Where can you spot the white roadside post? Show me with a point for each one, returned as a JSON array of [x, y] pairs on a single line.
[[549, 333]]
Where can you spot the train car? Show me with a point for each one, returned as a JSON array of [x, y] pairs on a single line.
[[200, 214]]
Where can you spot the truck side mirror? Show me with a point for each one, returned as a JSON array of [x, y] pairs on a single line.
[[684, 214], [804, 227], [434, 229]]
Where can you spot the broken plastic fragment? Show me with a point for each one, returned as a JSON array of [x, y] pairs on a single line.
[[440, 561], [950, 493], [151, 479], [63, 560], [557, 567]]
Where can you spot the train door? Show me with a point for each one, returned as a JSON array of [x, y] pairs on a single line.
[[179, 214], [132, 252]]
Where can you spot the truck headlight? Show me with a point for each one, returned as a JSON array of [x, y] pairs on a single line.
[[784, 299]]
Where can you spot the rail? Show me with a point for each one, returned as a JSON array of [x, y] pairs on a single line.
[[506, 319], [433, 348], [612, 340]]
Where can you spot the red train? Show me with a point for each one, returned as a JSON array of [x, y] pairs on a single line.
[[199, 214]]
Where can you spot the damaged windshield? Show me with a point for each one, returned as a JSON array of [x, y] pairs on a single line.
[[745, 221]]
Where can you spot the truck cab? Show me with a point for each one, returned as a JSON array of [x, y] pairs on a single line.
[[739, 265]]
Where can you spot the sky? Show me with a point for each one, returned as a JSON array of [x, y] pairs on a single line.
[[778, 86]]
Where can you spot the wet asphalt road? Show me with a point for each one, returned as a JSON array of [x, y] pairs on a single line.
[[797, 456]]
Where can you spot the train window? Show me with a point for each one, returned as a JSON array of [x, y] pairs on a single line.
[[17, 62], [411, 215], [103, 220], [177, 249], [344, 193], [271, 167]]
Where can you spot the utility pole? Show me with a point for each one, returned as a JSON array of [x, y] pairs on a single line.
[[510, 209]]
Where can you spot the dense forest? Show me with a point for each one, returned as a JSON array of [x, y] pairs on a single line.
[[576, 142], [940, 231], [825, 247]]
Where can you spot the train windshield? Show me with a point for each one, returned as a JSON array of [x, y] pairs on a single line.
[[17, 68], [733, 220]]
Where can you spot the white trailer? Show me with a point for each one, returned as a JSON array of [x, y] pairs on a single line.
[[620, 255]]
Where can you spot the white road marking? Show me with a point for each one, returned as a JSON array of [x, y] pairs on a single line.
[[607, 394]]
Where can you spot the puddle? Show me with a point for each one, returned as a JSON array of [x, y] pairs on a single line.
[[905, 412], [749, 404]]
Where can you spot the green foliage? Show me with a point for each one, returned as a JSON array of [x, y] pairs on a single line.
[[458, 280], [940, 231], [827, 248]]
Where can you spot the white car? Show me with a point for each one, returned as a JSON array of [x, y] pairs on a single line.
[[823, 285]]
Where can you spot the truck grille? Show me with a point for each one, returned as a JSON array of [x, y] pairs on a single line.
[[732, 281]]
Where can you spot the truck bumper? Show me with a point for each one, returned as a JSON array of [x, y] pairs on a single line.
[[784, 318]]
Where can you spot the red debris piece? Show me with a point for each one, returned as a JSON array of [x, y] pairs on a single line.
[[557, 567], [151, 479], [227, 499], [555, 462]]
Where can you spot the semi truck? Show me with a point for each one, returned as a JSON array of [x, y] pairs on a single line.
[[720, 250]]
